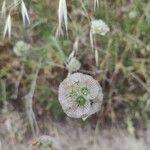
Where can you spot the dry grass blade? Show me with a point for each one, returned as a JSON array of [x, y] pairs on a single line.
[[85, 10], [91, 40], [96, 4], [1, 145], [29, 109], [76, 44], [15, 2], [7, 28], [3, 10], [12, 6], [62, 16], [24, 13], [71, 55], [140, 81], [96, 57], [20, 75]]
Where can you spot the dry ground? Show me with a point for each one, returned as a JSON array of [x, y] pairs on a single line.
[[69, 134]]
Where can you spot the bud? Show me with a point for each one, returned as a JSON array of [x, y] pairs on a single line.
[[73, 65], [21, 49], [132, 14]]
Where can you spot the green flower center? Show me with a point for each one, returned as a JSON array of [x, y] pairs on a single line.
[[73, 94], [97, 30], [80, 100], [84, 91], [79, 93]]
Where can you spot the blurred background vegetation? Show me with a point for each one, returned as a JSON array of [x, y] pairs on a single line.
[[124, 58]]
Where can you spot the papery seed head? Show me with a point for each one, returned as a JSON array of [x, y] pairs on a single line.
[[77, 92]]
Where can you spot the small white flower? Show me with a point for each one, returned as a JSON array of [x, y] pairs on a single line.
[[99, 27], [21, 49], [132, 14], [80, 95]]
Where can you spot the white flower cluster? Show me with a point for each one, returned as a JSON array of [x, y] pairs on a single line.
[[21, 49], [80, 95], [99, 27], [132, 14]]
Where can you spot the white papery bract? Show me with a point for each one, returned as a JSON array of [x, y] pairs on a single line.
[[80, 95], [99, 27]]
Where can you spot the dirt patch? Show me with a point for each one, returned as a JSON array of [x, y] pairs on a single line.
[[70, 134]]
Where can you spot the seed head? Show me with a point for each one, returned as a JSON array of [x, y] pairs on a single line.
[[80, 95]]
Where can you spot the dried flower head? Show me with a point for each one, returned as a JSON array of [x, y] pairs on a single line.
[[99, 27], [80, 95], [21, 49], [43, 142]]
